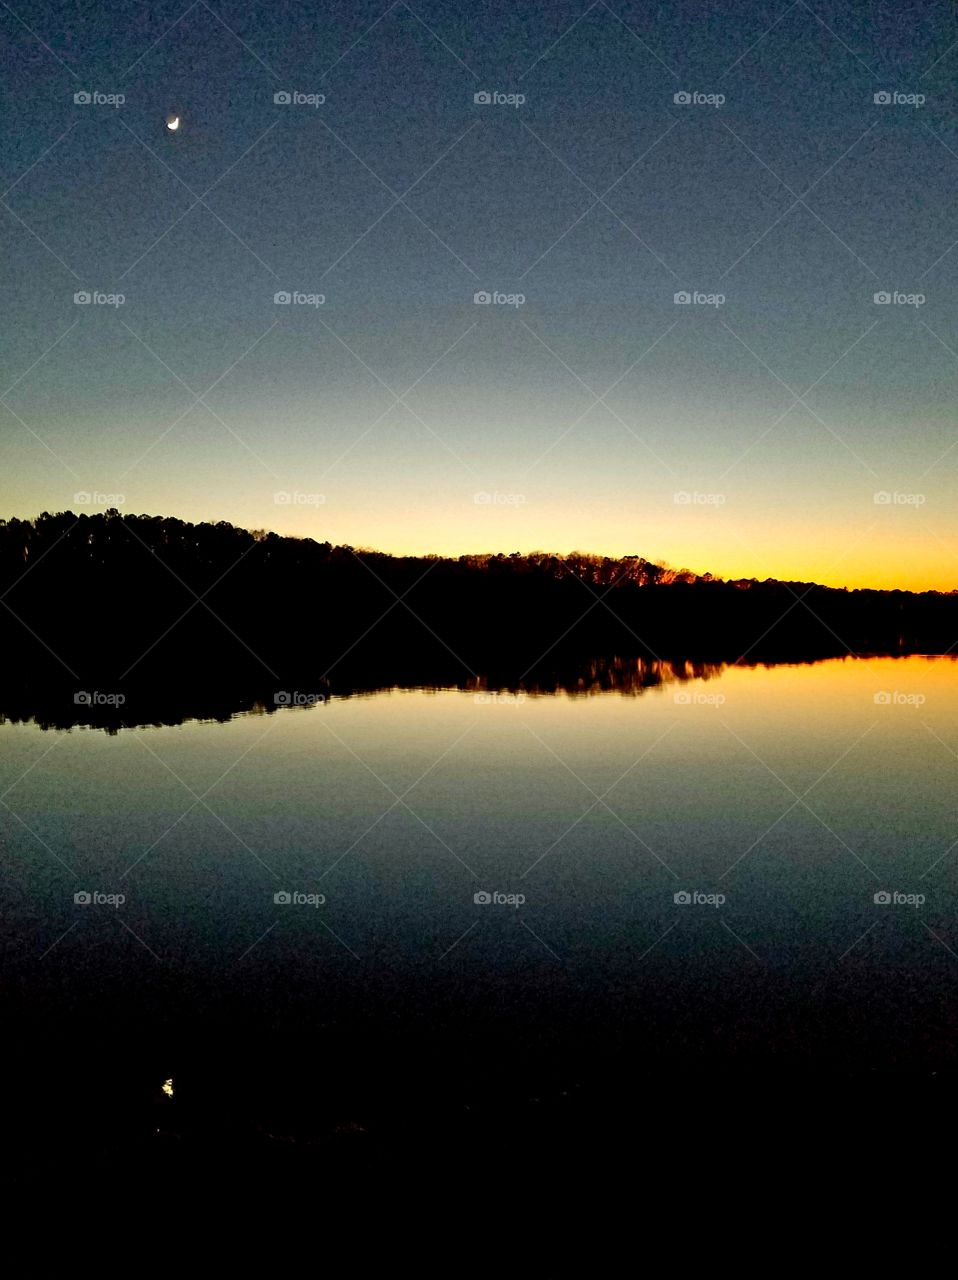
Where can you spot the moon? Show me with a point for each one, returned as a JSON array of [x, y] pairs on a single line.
[[173, 123]]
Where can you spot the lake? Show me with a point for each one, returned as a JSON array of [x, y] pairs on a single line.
[[463, 896]]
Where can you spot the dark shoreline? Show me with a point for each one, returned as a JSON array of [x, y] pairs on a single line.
[[109, 599]]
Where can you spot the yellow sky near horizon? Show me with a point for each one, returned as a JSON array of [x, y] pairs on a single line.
[[875, 545]]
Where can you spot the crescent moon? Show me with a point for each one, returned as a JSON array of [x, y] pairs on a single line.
[[173, 123]]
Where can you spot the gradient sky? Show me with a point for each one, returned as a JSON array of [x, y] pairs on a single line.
[[583, 412]]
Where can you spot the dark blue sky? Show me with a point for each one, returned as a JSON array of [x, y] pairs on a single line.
[[748, 437]]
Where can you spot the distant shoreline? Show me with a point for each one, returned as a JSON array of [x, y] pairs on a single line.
[[112, 600]]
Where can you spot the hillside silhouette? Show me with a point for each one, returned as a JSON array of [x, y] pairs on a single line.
[[117, 599]]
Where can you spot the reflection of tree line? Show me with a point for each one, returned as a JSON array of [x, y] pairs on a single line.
[[630, 676], [52, 705], [107, 598]]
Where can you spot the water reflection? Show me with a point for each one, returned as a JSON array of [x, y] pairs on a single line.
[[59, 706], [436, 906]]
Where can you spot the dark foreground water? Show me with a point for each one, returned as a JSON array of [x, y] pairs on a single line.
[[415, 912]]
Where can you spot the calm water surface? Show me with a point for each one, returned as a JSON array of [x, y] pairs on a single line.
[[780, 801]]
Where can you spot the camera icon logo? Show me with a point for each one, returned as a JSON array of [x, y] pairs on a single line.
[[882, 298], [682, 98], [82, 699], [282, 897], [82, 98], [282, 698], [282, 299], [683, 698], [882, 699], [482, 299], [882, 498], [882, 898], [482, 898], [482, 98], [682, 298], [283, 98], [683, 898], [882, 98], [82, 298], [83, 898]]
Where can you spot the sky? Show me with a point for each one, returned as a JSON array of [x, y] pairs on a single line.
[[782, 165]]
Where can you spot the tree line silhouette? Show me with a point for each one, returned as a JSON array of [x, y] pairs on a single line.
[[119, 598]]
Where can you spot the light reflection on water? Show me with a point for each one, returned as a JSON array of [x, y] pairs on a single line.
[[759, 834]]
